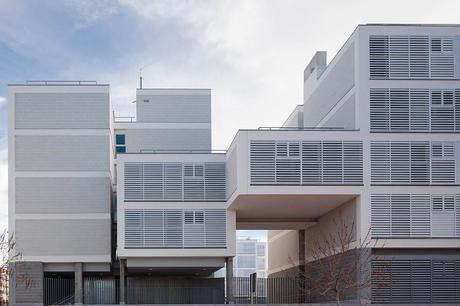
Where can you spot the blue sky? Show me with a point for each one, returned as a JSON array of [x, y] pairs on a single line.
[[250, 53]]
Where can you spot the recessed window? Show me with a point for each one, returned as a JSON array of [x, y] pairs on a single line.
[[121, 149], [120, 143], [120, 139]]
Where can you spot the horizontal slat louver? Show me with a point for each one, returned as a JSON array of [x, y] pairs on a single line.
[[413, 57], [171, 182], [415, 281], [306, 162], [175, 228], [414, 215], [403, 163]]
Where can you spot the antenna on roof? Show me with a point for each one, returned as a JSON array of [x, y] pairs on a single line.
[[140, 78]]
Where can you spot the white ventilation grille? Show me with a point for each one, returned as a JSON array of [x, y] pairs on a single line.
[[175, 181], [415, 281], [306, 162], [413, 163], [414, 57], [414, 215], [415, 110], [175, 228]]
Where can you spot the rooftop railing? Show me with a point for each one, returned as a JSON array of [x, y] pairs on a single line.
[[58, 82]]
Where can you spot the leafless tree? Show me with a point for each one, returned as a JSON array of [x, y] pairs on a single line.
[[9, 256], [338, 263]]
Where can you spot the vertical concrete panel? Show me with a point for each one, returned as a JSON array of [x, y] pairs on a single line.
[[28, 283]]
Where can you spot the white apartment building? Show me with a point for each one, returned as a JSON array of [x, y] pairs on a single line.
[[376, 140]]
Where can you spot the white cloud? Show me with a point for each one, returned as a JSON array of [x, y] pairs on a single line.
[[3, 189], [2, 101], [252, 53]]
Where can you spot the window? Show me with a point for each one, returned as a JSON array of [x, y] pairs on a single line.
[[288, 149], [194, 171], [442, 97], [194, 217], [246, 247], [120, 143], [120, 139], [436, 45]]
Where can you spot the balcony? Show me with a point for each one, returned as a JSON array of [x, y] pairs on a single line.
[[280, 176]]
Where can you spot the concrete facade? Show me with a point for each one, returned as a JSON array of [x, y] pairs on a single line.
[[376, 143]]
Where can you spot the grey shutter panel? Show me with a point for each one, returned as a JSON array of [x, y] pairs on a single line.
[[381, 215], [419, 50], [420, 162], [379, 56], [380, 162], [216, 228], [262, 162], [194, 234], [419, 116], [379, 109], [173, 181], [173, 222], [442, 62], [134, 175], [443, 220], [312, 168], [287, 167], [457, 215], [399, 57], [215, 182], [332, 162], [457, 106], [153, 228], [400, 215], [420, 215], [134, 234], [352, 162], [399, 109], [153, 181], [414, 57], [400, 162]]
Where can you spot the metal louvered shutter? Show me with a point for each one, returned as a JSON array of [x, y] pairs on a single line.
[[215, 182], [381, 215], [414, 57], [216, 228], [262, 162], [134, 176], [415, 281], [306, 162], [402, 163], [312, 162], [134, 234], [173, 182], [175, 228]]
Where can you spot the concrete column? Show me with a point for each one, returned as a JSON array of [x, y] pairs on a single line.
[[78, 268], [122, 282], [229, 279]]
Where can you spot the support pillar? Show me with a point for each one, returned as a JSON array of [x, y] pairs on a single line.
[[122, 282], [78, 268], [229, 279], [301, 273]]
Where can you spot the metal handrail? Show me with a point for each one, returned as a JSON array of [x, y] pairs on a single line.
[[286, 128], [162, 151], [125, 119], [57, 82]]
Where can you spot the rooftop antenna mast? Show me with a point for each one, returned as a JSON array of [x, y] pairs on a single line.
[[140, 77]]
